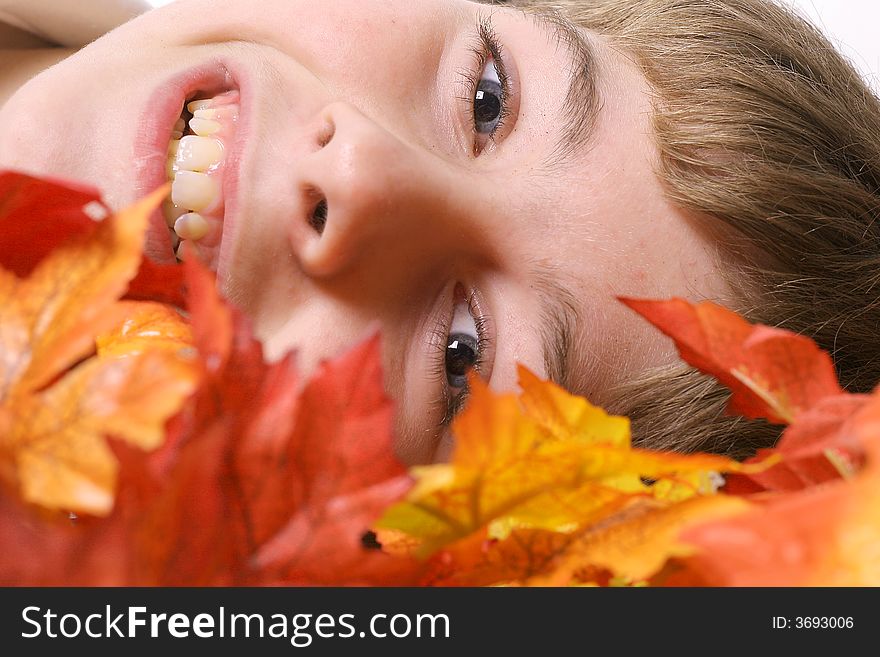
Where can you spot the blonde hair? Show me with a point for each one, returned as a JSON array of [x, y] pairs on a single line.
[[763, 126]]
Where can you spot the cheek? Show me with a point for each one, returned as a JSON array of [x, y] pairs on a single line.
[[52, 140], [640, 244]]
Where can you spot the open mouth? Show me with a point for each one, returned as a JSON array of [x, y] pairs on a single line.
[[200, 141]]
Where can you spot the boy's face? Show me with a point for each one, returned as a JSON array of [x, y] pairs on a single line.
[[471, 235]]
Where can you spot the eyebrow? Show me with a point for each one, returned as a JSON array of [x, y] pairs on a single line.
[[559, 321], [580, 109]]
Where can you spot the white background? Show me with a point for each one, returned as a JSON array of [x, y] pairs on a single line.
[[853, 25]]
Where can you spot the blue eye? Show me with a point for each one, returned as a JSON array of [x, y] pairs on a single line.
[[461, 356], [462, 347], [488, 100], [488, 96]]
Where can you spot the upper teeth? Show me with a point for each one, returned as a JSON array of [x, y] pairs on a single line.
[[192, 164], [196, 153], [194, 190], [204, 127], [191, 226], [194, 105]]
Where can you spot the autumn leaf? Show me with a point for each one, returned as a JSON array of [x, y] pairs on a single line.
[[635, 545], [255, 477], [158, 283], [545, 464], [478, 560], [630, 544], [57, 401], [37, 215], [312, 466], [146, 326], [263, 480], [57, 437], [51, 317], [568, 417], [819, 446], [825, 535], [772, 373]]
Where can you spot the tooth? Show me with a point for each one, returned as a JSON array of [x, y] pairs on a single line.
[[189, 250], [171, 212], [180, 251], [194, 105], [195, 191], [191, 226], [180, 125], [176, 134], [170, 166], [206, 113], [204, 127], [198, 153]]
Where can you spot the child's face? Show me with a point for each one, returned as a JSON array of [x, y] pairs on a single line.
[[432, 228]]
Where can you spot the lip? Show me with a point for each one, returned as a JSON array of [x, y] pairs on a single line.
[[232, 169], [154, 132]]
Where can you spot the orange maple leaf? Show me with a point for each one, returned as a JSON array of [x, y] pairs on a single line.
[[818, 447], [772, 373], [57, 401], [824, 535], [147, 327]]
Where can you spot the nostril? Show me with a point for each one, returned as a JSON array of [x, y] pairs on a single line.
[[318, 216], [326, 133]]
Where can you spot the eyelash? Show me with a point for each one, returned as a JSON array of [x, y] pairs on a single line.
[[488, 47], [452, 404]]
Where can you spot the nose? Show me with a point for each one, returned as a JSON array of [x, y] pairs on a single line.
[[373, 196]]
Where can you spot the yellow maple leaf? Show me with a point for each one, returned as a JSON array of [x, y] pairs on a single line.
[[57, 400], [627, 546], [568, 417], [635, 544], [547, 460]]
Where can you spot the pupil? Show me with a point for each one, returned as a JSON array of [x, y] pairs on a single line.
[[487, 103], [460, 356]]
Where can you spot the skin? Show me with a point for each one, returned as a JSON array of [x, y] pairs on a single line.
[[413, 211]]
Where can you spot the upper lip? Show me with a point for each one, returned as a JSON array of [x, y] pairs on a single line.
[[153, 135]]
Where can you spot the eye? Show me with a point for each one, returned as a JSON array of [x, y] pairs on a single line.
[[462, 346], [461, 342], [488, 100]]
